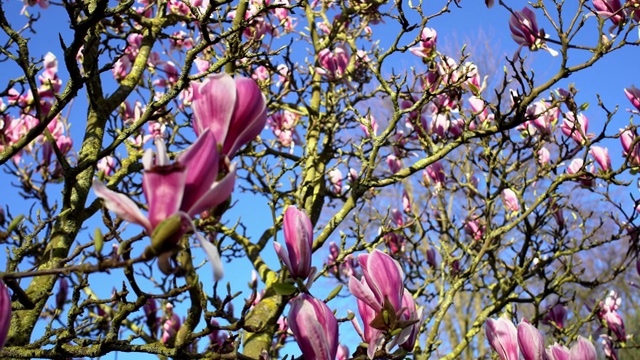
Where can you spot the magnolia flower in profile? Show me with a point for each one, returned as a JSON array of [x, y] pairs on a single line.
[[434, 174], [601, 154], [343, 352], [107, 164], [335, 178], [298, 236], [394, 163], [150, 309], [234, 110], [607, 347], [556, 315], [5, 313], [525, 32], [428, 39], [314, 327], [576, 166], [473, 228], [510, 200], [543, 116], [576, 127], [175, 193], [170, 326], [582, 349], [633, 93], [543, 156], [608, 312], [503, 338], [610, 9], [627, 137], [530, 341]]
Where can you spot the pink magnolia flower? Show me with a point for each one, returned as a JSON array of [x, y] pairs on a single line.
[[261, 74], [406, 202], [107, 164], [608, 312], [369, 334], [150, 309], [543, 156], [440, 125], [314, 327], [556, 315], [434, 173], [530, 341], [170, 326], [5, 313], [49, 80], [382, 280], [428, 39], [524, 30], [298, 236], [575, 128], [44, 4], [283, 124], [431, 258], [557, 352], [543, 116], [582, 349], [610, 9], [217, 337], [575, 166], [607, 347], [233, 109], [333, 64], [448, 70], [473, 228], [63, 292], [394, 163], [480, 109], [627, 137], [633, 93], [474, 83], [184, 189], [343, 352], [510, 200], [503, 338], [602, 157], [407, 338], [369, 121], [335, 178]]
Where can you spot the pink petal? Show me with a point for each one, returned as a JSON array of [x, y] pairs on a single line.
[[121, 205], [218, 193], [249, 116], [213, 103], [201, 161]]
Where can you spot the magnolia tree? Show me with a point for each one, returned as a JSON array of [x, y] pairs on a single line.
[[452, 200]]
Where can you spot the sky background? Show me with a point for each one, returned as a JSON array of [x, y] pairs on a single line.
[[473, 25]]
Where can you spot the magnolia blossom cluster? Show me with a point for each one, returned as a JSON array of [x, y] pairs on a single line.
[[283, 124], [511, 342], [228, 113], [608, 313], [344, 269], [13, 129]]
